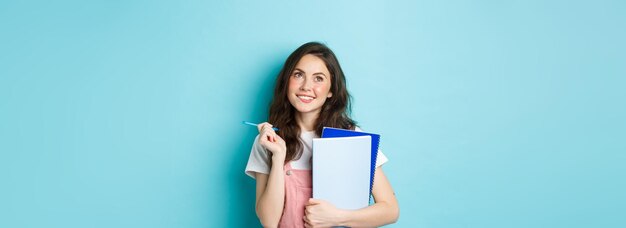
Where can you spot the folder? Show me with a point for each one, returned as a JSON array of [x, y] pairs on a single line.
[[329, 132], [340, 171]]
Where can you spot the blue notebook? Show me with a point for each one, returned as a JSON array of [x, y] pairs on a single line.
[[329, 132]]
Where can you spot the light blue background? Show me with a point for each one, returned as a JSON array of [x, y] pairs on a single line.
[[493, 113]]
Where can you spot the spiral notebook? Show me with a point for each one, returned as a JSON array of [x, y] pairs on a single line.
[[329, 132]]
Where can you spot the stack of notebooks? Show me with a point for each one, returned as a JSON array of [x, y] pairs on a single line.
[[344, 163]]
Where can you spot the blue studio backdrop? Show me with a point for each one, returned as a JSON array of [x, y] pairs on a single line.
[[492, 113]]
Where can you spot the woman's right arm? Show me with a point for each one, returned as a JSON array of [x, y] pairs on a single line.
[[270, 189], [270, 195]]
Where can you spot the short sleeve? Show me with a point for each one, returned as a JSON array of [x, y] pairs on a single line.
[[259, 160], [380, 157]]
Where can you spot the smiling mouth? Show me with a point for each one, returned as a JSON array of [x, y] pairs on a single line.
[[305, 99]]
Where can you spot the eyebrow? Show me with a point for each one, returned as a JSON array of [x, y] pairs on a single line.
[[298, 69]]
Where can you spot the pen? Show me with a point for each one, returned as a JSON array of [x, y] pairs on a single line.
[[253, 124]]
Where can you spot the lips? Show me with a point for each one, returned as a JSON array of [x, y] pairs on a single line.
[[305, 98]]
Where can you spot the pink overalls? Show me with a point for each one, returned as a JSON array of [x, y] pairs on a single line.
[[297, 193]]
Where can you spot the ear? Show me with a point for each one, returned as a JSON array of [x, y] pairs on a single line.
[[330, 94]]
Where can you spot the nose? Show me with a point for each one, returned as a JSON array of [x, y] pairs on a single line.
[[306, 85]]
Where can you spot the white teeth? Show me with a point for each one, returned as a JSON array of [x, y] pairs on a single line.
[[305, 97]]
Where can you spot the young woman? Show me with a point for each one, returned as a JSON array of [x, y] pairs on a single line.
[[310, 94]]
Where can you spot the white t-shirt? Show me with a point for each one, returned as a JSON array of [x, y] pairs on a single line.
[[259, 160]]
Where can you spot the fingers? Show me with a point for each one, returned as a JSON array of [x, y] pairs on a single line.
[[261, 126], [270, 134], [307, 223], [266, 131], [313, 201]]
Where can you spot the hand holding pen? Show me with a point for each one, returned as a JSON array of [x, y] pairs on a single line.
[[271, 141]]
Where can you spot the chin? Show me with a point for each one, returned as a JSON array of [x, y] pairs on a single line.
[[301, 109]]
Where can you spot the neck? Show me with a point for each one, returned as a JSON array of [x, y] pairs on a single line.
[[306, 121]]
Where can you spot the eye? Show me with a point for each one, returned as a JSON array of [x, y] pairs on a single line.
[[319, 79], [297, 74]]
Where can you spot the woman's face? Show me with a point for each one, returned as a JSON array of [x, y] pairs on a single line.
[[309, 84]]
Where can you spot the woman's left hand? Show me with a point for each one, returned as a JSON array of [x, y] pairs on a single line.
[[319, 213]]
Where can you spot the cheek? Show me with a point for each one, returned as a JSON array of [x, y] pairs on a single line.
[[293, 85], [322, 89]]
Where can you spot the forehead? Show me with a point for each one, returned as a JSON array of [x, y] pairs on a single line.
[[312, 64]]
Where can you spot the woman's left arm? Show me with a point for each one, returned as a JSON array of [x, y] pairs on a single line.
[[385, 211]]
